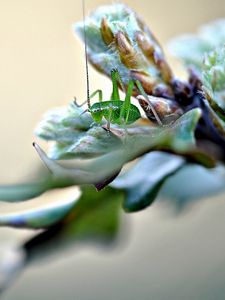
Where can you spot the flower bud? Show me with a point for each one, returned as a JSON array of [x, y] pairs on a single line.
[[117, 38], [163, 67], [168, 110], [127, 53], [146, 46], [107, 34]]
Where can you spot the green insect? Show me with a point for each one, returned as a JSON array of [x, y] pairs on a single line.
[[115, 110]]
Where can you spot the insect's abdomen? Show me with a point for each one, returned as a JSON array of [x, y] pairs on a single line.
[[111, 110]]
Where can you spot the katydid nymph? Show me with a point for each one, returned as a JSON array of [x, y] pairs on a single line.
[[115, 110]]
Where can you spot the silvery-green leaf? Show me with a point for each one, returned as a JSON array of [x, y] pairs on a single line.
[[20, 192], [193, 182], [74, 134], [117, 38], [38, 214], [43, 182], [143, 182], [95, 219], [178, 138], [93, 143], [192, 48], [57, 123], [213, 78]]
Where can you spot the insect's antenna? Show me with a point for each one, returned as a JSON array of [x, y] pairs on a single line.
[[86, 59]]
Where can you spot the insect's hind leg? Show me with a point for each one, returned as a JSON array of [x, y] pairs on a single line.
[[139, 86]]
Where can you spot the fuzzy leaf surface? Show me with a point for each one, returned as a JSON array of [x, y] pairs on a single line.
[[213, 78], [74, 134], [177, 138]]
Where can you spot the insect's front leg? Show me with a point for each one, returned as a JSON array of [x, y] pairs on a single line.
[[100, 96], [77, 104], [99, 92]]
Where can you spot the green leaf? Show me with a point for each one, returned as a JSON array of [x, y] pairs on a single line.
[[191, 48], [143, 182], [36, 214], [97, 214]]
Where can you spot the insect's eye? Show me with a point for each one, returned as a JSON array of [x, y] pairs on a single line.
[[114, 70]]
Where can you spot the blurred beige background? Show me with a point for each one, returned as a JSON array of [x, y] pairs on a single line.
[[42, 64]]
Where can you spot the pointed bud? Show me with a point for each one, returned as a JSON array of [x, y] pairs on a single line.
[[134, 50], [163, 67], [145, 44], [107, 34], [128, 54]]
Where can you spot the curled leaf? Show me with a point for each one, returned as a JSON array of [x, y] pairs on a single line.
[[36, 214]]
